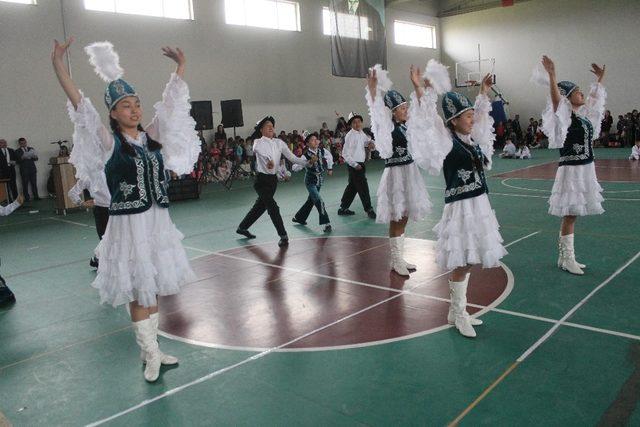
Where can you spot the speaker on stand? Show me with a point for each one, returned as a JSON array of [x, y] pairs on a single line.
[[202, 113], [232, 114]]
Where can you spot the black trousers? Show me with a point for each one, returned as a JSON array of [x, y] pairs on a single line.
[[101, 217], [314, 199], [29, 177], [265, 186], [357, 185], [13, 187]]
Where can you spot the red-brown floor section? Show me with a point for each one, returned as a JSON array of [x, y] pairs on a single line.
[[608, 170], [241, 300]]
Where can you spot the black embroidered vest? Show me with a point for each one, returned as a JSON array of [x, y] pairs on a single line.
[[315, 174], [578, 146], [135, 182], [401, 154], [464, 172]]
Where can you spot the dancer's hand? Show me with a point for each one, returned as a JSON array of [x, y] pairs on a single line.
[[330, 172], [598, 71], [313, 160], [416, 76], [372, 82], [177, 56], [88, 203], [358, 167], [487, 82], [371, 146], [270, 164], [548, 65], [20, 199], [57, 54]]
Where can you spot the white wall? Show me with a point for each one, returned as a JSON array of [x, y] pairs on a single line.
[[574, 33], [286, 74]]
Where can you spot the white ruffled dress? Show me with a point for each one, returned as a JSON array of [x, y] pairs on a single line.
[[468, 232], [576, 191], [141, 255], [402, 191]]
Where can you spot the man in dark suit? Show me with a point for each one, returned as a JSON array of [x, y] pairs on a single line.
[[27, 158], [8, 168]]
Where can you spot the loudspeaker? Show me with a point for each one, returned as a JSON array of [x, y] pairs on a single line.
[[232, 113], [202, 114]]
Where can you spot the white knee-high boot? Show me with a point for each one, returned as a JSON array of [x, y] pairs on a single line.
[[567, 258], [146, 339], [451, 317], [165, 359], [397, 263], [406, 263], [461, 319], [571, 239]]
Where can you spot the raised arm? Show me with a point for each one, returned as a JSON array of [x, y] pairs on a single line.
[[550, 68], [60, 68], [483, 132], [172, 124], [381, 122]]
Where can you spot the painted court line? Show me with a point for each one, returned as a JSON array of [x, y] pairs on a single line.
[[252, 358], [236, 365], [547, 335], [576, 308]]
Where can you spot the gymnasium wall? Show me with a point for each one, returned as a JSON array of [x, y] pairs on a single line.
[[285, 74], [574, 33]]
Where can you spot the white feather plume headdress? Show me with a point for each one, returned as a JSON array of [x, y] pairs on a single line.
[[384, 82], [105, 60], [438, 76]]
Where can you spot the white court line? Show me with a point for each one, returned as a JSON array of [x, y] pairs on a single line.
[[574, 309], [248, 360], [70, 222], [515, 187]]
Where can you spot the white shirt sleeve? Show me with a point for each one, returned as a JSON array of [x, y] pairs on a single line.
[[349, 146], [329, 158], [6, 210], [289, 155]]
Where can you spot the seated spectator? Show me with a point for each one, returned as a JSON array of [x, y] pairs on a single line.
[[509, 150], [635, 150], [523, 152], [220, 134], [224, 169]]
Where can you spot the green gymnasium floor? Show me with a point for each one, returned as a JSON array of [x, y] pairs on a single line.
[[66, 360]]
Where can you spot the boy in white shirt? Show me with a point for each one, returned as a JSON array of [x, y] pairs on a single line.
[[354, 153]]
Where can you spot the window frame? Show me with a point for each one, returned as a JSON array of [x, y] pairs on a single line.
[[163, 16], [432, 28], [298, 23]]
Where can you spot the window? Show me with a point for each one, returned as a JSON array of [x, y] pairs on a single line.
[[20, 1], [177, 9], [410, 34], [275, 14], [350, 26]]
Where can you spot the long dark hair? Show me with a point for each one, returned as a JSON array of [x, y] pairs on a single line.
[[152, 144]]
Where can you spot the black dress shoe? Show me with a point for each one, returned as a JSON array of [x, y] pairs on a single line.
[[6, 296], [327, 228], [371, 214], [246, 233], [284, 241], [93, 262], [344, 212], [294, 219]]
